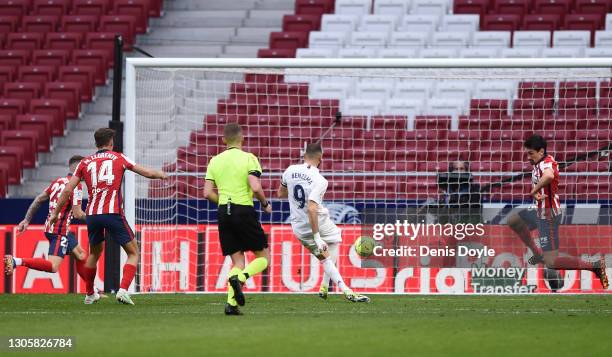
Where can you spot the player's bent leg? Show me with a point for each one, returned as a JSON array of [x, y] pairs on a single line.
[[89, 271], [333, 249], [330, 269], [129, 270], [55, 262], [517, 223]]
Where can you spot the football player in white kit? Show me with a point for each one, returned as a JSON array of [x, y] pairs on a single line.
[[305, 187]]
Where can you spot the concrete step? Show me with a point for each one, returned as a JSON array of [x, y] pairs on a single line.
[[210, 18], [254, 36], [186, 36], [288, 5], [210, 5], [174, 51], [241, 51]]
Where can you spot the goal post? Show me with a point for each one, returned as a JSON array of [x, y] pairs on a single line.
[[435, 142]]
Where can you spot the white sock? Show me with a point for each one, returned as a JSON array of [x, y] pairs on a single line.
[[17, 261], [330, 269], [333, 254]]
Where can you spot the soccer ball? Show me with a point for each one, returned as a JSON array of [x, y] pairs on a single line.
[[364, 246]]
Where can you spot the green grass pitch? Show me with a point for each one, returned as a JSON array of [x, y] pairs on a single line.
[[304, 325]]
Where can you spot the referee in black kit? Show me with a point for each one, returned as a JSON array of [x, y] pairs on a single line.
[[235, 174]]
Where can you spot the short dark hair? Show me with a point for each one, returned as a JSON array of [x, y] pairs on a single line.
[[231, 132], [75, 159], [103, 136], [313, 149], [535, 142]]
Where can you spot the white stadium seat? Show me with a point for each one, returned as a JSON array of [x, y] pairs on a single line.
[[413, 89], [495, 89], [571, 38], [377, 89], [440, 52], [409, 39], [357, 53], [521, 52], [491, 38], [603, 38], [562, 52], [531, 38], [378, 23], [316, 52], [479, 52], [359, 106], [397, 8], [398, 53], [609, 22], [461, 89], [450, 39], [332, 39], [368, 38], [330, 89], [452, 107], [353, 7], [402, 106], [341, 23], [598, 52], [420, 23], [467, 23], [427, 7]]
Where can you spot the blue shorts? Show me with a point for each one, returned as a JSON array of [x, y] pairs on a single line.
[[114, 225], [61, 245], [547, 227]]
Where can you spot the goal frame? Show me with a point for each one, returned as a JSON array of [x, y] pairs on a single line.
[[325, 63]]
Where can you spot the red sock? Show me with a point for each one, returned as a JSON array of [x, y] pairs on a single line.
[[38, 264], [80, 266], [525, 235], [570, 263], [89, 275], [128, 275]]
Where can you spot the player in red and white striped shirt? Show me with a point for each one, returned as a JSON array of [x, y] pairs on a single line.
[[61, 240], [546, 215], [103, 174]]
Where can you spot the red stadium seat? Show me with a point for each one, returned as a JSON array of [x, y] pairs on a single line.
[[79, 23], [39, 23], [13, 155], [432, 122], [15, 7], [69, 91], [85, 75], [577, 107], [155, 7], [319, 107], [8, 23], [42, 124], [391, 166], [276, 53], [599, 7], [50, 57], [314, 7], [288, 40], [533, 108], [512, 7], [24, 40], [4, 174], [588, 22], [541, 22], [51, 7], [53, 107], [479, 7], [605, 89], [390, 122], [595, 124], [7, 74], [6, 122], [90, 7], [301, 23], [23, 90], [64, 40], [278, 105], [26, 139], [94, 58], [577, 90], [536, 90], [495, 22], [604, 107], [489, 108], [125, 25], [263, 78], [139, 9], [15, 57], [558, 7], [12, 107], [41, 74], [102, 41]]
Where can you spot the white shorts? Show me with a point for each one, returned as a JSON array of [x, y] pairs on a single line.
[[330, 234]]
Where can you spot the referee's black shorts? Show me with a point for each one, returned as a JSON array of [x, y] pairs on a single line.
[[240, 231]]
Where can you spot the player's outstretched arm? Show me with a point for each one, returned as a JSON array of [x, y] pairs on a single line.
[[149, 172], [23, 225], [66, 194], [258, 192], [282, 192], [210, 193], [78, 213]]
